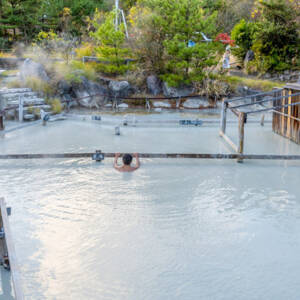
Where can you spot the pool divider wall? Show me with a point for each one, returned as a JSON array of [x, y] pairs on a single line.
[[152, 155], [14, 267]]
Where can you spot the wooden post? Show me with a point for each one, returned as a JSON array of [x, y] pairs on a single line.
[[1, 122], [262, 120], [21, 109], [288, 125], [223, 117], [242, 119]]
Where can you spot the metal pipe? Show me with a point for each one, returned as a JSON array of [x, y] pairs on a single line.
[[263, 101], [272, 108]]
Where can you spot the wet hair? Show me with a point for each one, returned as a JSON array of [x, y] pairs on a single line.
[[127, 159]]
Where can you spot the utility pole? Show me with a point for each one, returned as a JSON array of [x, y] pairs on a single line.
[[120, 13]]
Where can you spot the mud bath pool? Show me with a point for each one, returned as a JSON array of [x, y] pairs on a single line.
[[175, 229]]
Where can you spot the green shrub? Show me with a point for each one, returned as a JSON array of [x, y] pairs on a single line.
[[38, 85], [111, 44], [276, 40], [74, 77], [14, 84], [243, 35], [85, 69], [259, 84], [56, 106]]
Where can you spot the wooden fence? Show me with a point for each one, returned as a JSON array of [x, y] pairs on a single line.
[[286, 120]]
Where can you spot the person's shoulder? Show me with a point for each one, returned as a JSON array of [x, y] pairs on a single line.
[[120, 169]]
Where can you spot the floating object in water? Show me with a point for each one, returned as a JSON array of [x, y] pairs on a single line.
[[98, 156], [117, 130], [191, 122], [96, 118], [125, 121], [44, 116]]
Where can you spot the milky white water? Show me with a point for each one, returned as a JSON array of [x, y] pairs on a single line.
[[175, 229]]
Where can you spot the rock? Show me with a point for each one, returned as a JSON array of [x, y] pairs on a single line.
[[195, 103], [245, 91], [119, 88], [286, 72], [123, 105], [63, 87], [10, 62], [249, 57], [154, 85], [32, 69], [176, 92], [267, 76], [29, 117], [161, 104], [89, 93]]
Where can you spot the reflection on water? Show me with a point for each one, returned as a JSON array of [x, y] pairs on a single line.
[[175, 229]]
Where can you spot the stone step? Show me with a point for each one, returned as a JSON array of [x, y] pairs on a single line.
[[45, 107], [14, 90], [29, 101], [16, 96]]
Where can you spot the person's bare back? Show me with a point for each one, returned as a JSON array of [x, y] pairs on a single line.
[[127, 160]]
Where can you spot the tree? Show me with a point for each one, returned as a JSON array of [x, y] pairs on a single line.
[[276, 40], [243, 35], [110, 43], [178, 26], [21, 17]]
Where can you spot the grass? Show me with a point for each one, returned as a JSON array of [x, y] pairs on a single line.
[[254, 83], [56, 106], [6, 55], [9, 73]]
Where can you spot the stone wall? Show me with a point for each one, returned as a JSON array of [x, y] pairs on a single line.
[[286, 76], [9, 63]]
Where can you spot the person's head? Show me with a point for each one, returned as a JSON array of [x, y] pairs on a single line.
[[127, 159]]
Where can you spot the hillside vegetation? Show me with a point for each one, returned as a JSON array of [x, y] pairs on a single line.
[[161, 37]]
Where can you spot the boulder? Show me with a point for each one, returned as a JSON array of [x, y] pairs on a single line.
[[29, 117], [123, 105], [63, 88], [176, 92], [161, 104], [154, 85], [196, 103], [249, 57], [32, 69], [119, 88], [89, 93]]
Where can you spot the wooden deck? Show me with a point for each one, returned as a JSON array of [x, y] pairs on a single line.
[[286, 120]]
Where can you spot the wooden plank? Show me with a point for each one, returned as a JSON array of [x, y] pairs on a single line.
[[285, 96], [276, 90], [271, 108], [241, 127], [282, 117], [156, 155], [235, 111], [15, 272], [223, 116], [229, 141], [289, 112]]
